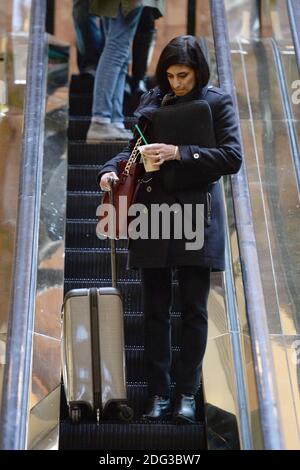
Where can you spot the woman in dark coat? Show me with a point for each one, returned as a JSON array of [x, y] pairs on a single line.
[[188, 176]]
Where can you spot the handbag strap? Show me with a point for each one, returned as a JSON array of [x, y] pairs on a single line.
[[134, 154], [133, 157]]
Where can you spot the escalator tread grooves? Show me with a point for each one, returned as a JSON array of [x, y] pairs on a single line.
[[134, 436]]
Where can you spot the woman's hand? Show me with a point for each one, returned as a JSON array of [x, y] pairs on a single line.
[[105, 180], [160, 153]]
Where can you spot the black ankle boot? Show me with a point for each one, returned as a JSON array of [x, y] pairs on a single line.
[[184, 409], [157, 408]]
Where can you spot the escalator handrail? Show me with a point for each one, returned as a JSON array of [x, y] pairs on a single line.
[[294, 18], [257, 318], [17, 373]]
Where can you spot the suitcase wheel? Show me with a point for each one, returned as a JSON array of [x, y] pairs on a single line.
[[75, 413], [125, 413]]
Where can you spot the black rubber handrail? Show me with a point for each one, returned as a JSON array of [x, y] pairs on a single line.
[[294, 17], [257, 317], [17, 373]]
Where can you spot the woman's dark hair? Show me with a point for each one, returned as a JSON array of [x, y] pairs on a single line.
[[182, 50]]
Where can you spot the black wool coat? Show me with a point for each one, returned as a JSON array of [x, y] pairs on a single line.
[[209, 163]]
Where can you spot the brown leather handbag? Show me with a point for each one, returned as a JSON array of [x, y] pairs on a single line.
[[124, 190]]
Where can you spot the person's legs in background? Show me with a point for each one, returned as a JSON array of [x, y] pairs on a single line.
[[142, 48], [89, 37], [117, 116], [109, 83]]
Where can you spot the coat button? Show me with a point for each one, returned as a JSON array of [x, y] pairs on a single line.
[[149, 189], [145, 210], [196, 155]]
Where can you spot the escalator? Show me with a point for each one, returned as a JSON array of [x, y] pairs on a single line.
[[249, 397], [88, 262]]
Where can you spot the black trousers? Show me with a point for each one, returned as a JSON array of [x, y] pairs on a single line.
[[194, 284]]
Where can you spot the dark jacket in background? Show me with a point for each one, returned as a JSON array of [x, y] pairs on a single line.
[[209, 163], [110, 8]]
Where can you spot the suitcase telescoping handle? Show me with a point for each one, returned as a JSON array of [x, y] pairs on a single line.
[[112, 240]]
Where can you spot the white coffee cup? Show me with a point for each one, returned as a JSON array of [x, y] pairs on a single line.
[[148, 162]]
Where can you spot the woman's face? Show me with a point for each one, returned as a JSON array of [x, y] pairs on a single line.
[[182, 79]]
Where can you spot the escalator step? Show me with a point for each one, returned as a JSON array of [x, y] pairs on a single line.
[[82, 234], [91, 264], [83, 178], [113, 435], [134, 329], [82, 205], [137, 394], [131, 292], [80, 153], [135, 367], [120, 436], [78, 126]]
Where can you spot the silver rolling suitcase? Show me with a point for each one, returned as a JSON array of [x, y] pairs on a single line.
[[93, 353]]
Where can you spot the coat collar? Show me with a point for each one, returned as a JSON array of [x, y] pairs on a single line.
[[153, 100]]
